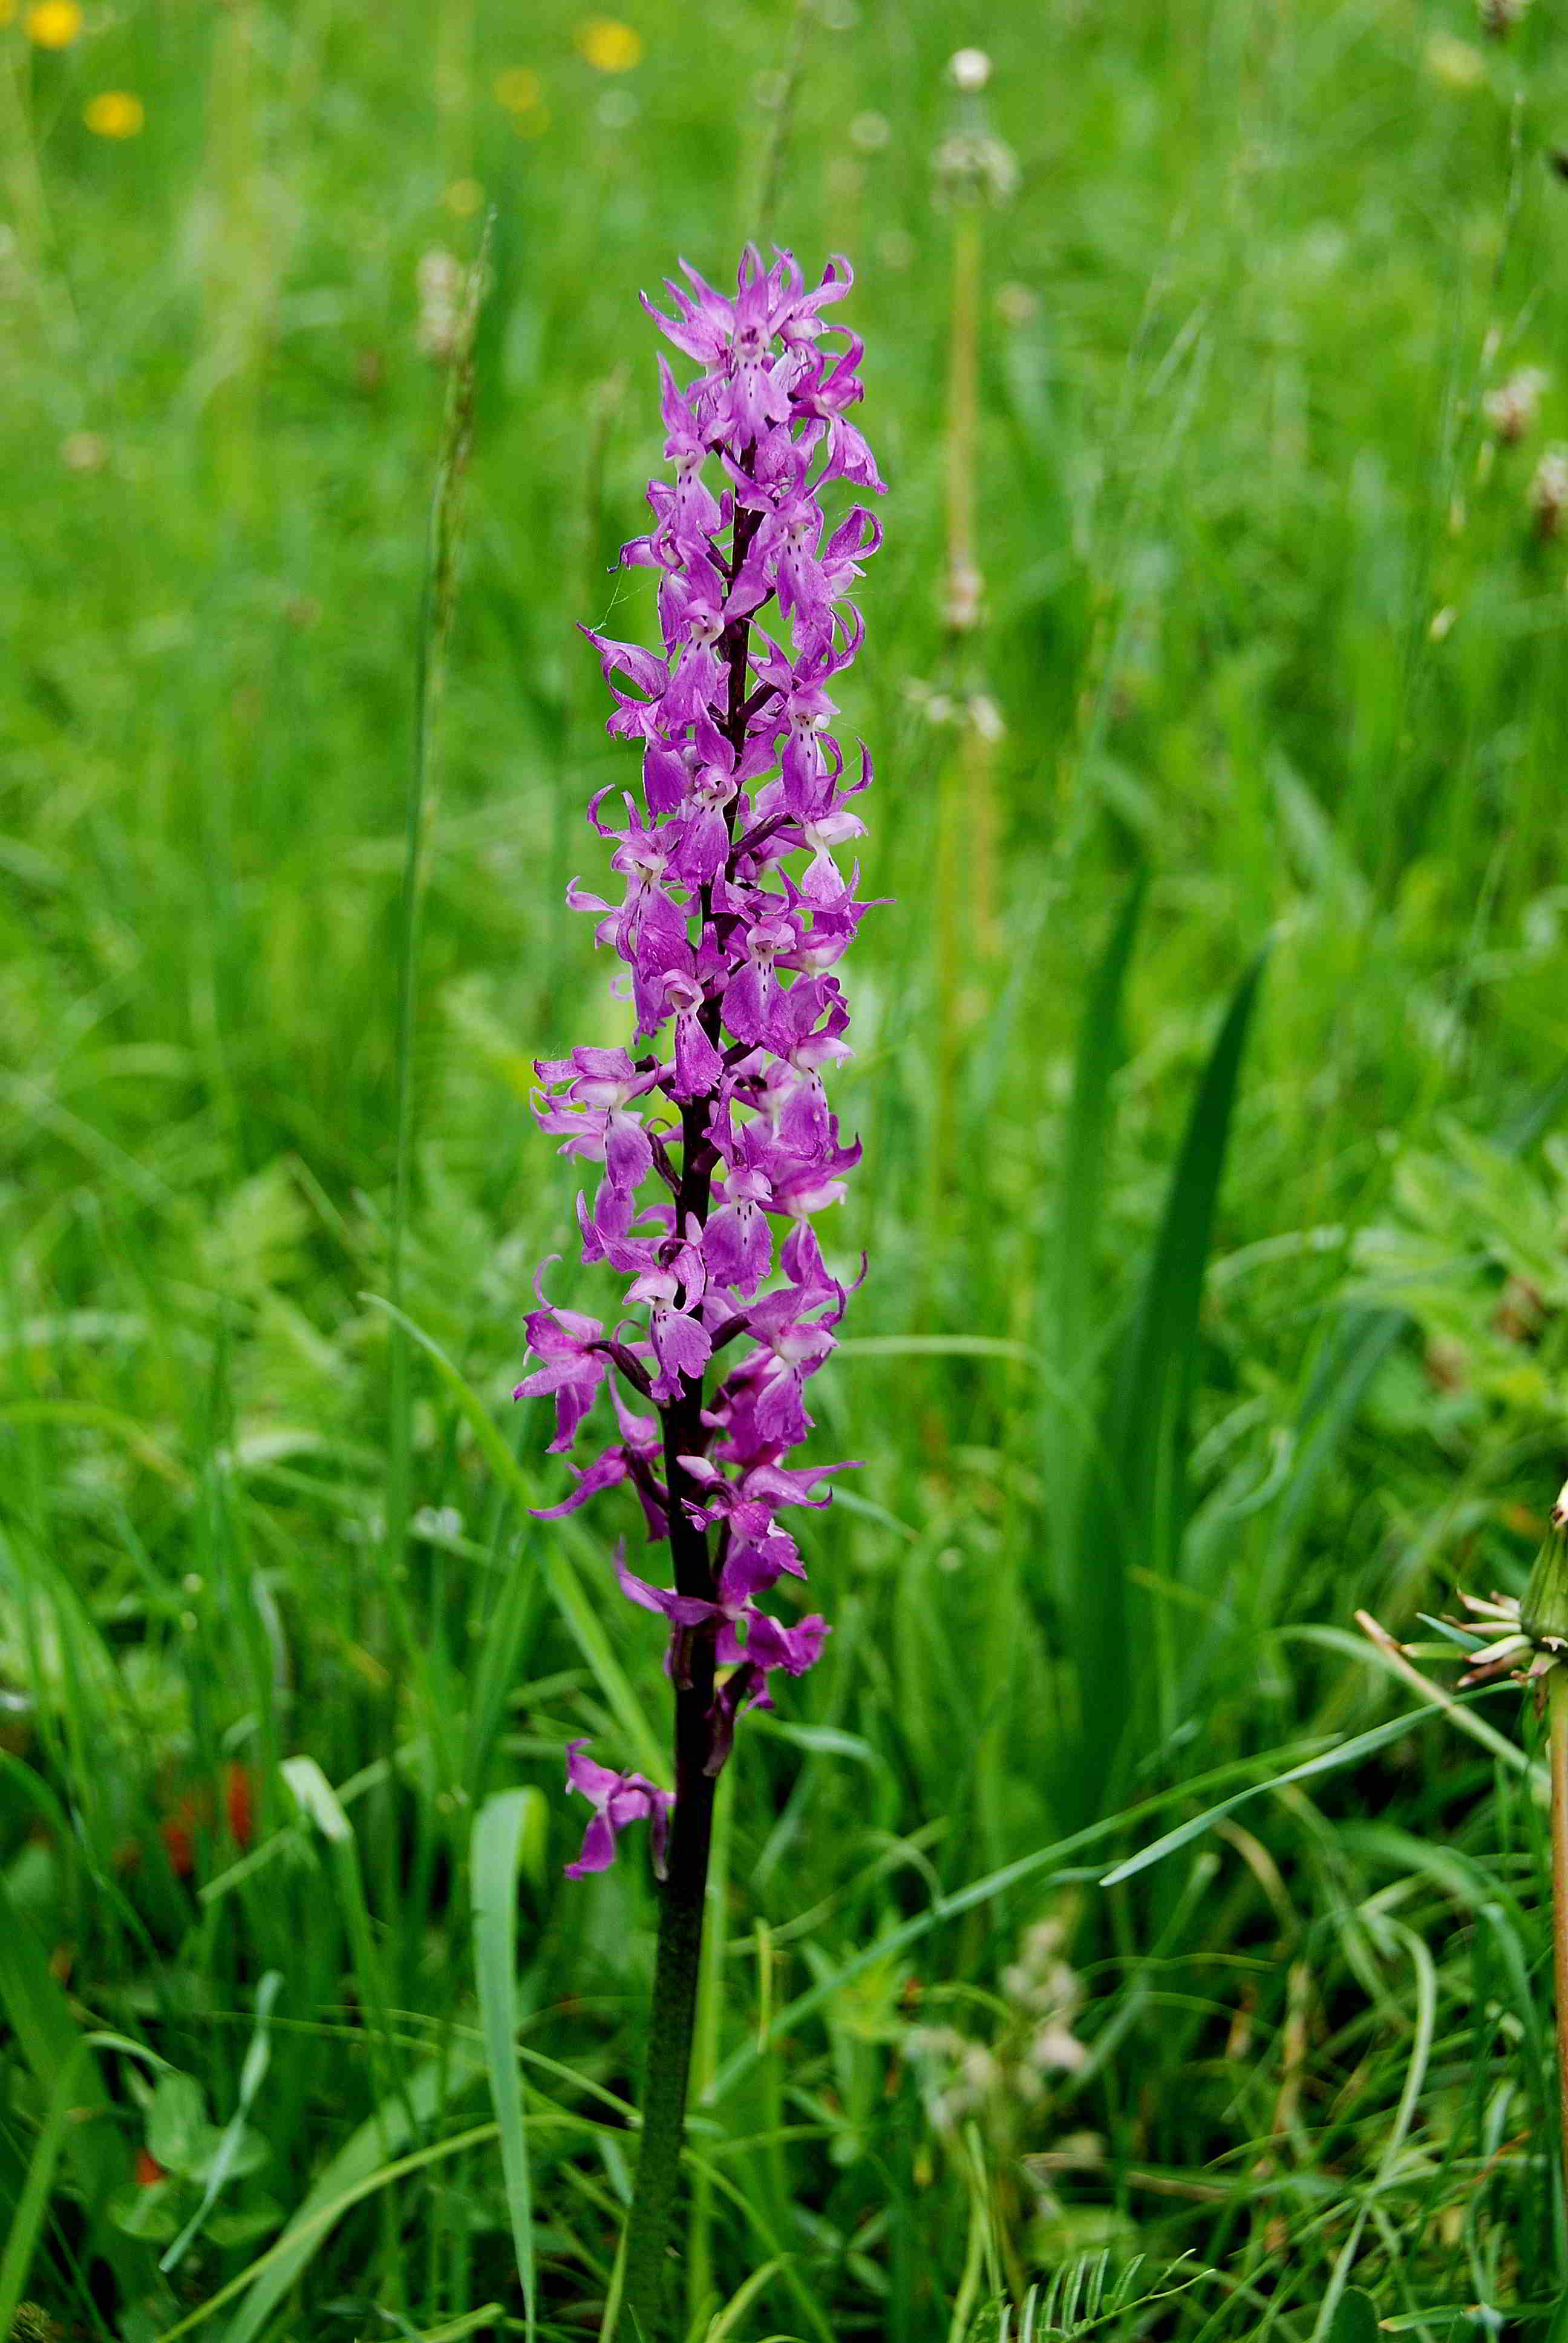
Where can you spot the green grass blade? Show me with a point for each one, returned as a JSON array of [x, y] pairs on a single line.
[[279, 2265], [1068, 1341], [506, 1629], [1328, 1761], [496, 1851], [252, 2075], [1100, 1049], [51, 2043], [438, 596], [347, 2176], [1135, 1497], [562, 1580], [319, 1801], [1294, 1762], [31, 2205]]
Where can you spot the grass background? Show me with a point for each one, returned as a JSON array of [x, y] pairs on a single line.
[[1188, 1330]]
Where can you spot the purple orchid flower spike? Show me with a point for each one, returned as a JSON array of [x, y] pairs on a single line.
[[717, 1146]]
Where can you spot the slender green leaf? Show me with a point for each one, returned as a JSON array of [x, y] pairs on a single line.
[[350, 2175], [251, 2076], [1101, 1047], [566, 1590], [1068, 1341], [309, 2228], [33, 2203], [1296, 1760], [1135, 1495], [51, 2042], [1328, 1761]]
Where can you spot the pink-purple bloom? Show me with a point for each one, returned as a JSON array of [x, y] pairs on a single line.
[[718, 1148], [616, 1799]]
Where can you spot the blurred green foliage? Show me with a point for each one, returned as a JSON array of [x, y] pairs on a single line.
[[1270, 618]]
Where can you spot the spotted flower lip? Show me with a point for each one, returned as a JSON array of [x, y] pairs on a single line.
[[718, 1147]]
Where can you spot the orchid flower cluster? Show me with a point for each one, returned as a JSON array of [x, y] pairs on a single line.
[[717, 1143]]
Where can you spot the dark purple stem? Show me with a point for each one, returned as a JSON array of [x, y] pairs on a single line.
[[650, 2223]]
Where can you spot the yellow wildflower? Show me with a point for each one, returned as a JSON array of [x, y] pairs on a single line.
[[7, 11], [520, 88], [54, 23], [115, 113], [608, 45], [463, 197]]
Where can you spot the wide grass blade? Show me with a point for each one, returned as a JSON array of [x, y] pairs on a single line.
[[1135, 1493], [496, 1851]]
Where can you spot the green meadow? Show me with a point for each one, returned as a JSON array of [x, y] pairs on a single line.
[[1111, 1937]]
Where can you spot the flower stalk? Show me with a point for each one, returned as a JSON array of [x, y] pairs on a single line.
[[734, 918], [1533, 1649], [972, 169]]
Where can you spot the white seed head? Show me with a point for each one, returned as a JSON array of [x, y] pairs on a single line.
[[1056, 2050], [973, 166], [968, 68], [439, 278], [1016, 304], [1549, 490], [84, 451], [965, 597], [1513, 407], [985, 716]]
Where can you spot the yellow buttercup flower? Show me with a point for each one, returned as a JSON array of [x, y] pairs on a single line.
[[54, 23], [115, 113], [7, 11], [463, 197], [608, 45], [520, 88]]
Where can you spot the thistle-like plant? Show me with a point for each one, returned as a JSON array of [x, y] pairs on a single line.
[[1525, 1638], [717, 1146]]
